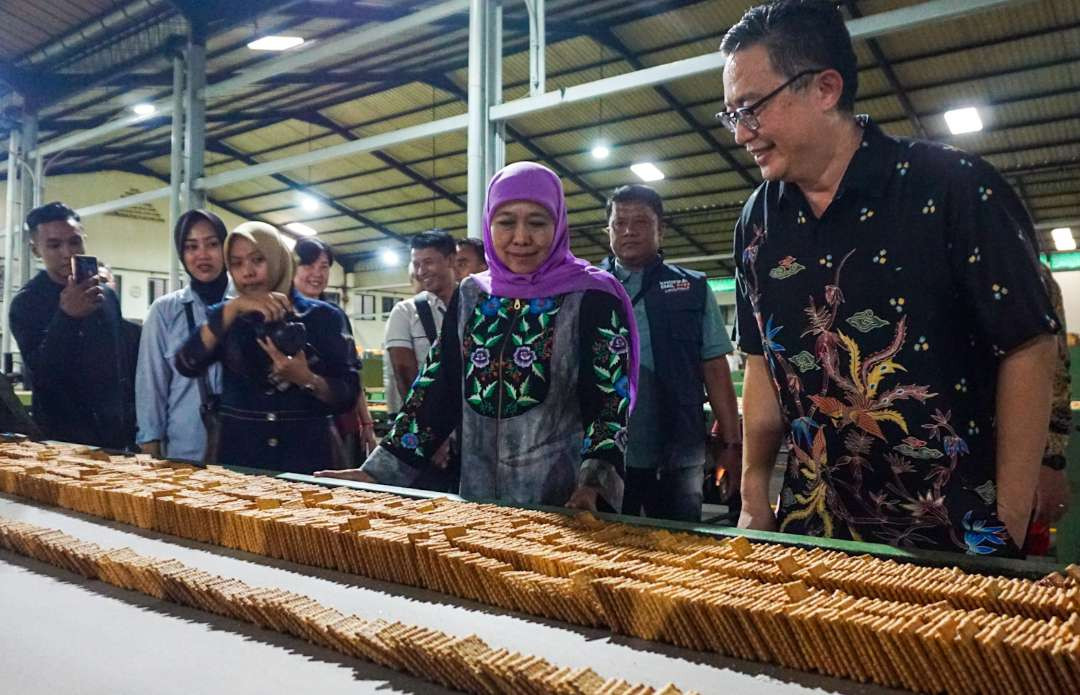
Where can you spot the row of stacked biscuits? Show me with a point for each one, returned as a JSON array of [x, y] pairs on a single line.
[[463, 663], [897, 624]]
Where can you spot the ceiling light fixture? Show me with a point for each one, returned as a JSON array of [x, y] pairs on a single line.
[[309, 202], [389, 257], [300, 229], [275, 43], [1063, 239], [965, 120], [144, 109], [601, 151], [647, 171]]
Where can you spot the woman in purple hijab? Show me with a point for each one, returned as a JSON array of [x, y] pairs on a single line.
[[536, 367]]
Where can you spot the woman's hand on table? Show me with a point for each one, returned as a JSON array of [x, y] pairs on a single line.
[[354, 474], [583, 498]]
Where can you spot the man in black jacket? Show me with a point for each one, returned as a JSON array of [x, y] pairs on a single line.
[[683, 361], [74, 343]]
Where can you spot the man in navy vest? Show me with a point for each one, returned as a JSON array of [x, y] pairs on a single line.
[[683, 349]]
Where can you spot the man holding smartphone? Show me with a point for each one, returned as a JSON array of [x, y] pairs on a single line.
[[76, 349]]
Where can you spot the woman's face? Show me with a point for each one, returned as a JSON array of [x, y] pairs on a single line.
[[311, 279], [522, 232], [248, 267], [202, 252]]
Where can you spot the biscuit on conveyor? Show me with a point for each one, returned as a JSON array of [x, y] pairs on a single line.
[[926, 628]]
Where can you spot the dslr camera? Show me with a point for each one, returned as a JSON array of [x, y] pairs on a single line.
[[287, 336]]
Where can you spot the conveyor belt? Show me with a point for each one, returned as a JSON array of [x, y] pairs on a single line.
[[64, 634], [1028, 569]]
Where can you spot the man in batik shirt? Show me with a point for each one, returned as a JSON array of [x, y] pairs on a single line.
[[889, 299]]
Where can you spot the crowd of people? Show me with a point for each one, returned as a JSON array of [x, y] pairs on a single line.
[[903, 346]]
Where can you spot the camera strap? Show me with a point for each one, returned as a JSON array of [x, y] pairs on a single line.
[[204, 386], [427, 319]]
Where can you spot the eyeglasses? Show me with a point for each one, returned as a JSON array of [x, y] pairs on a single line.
[[746, 115]]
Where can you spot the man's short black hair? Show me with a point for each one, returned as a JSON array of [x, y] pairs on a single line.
[[477, 245], [636, 193], [308, 251], [50, 212], [799, 35], [435, 239]]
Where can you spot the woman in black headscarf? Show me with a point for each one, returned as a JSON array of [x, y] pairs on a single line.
[[167, 403]]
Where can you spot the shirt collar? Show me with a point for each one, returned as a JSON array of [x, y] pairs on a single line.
[[621, 272], [433, 300], [874, 163], [870, 169]]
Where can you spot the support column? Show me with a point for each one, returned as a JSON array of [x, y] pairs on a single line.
[[495, 134], [537, 47], [13, 223], [176, 167], [32, 185], [195, 116], [478, 116]]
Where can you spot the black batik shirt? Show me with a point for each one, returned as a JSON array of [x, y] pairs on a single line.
[[883, 324]]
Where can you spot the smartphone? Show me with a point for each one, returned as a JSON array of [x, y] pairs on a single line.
[[83, 268]]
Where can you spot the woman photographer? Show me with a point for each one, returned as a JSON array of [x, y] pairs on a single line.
[[289, 363]]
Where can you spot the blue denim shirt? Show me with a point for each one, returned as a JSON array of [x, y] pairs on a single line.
[[167, 403]]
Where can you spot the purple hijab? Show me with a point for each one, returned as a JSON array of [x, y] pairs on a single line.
[[562, 271]]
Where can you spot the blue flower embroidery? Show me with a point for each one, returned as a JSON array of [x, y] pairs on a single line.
[[981, 538], [540, 305], [586, 444], [622, 387], [410, 440], [491, 306]]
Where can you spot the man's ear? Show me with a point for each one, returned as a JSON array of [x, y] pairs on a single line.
[[33, 245], [830, 87]]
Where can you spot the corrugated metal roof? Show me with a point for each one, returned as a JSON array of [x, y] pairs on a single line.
[[1020, 63]]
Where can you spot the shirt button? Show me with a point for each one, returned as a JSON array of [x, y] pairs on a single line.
[[272, 441], [271, 417]]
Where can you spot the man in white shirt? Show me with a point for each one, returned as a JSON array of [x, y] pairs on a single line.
[[413, 326], [415, 322]]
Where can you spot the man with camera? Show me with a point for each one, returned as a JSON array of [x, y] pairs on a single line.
[[77, 351]]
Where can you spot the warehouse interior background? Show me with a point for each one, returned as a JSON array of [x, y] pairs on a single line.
[[389, 115]]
